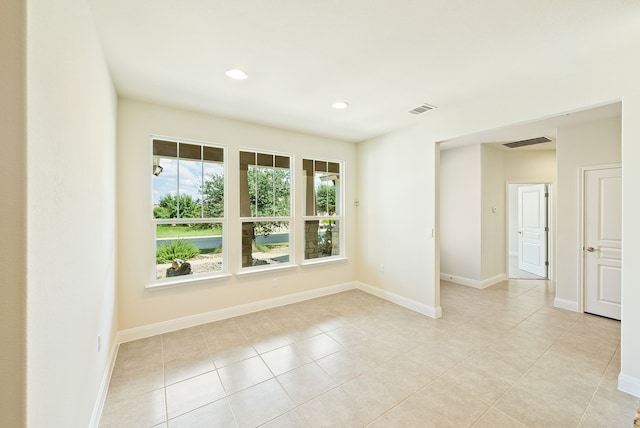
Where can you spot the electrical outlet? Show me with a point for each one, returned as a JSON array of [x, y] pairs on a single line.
[[381, 268], [274, 283]]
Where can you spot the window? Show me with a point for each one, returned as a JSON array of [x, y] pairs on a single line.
[[323, 209], [188, 208], [265, 208]]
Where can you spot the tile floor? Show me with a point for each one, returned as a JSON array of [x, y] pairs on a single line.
[[517, 273], [500, 357]]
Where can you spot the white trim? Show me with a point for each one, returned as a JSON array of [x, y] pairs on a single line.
[[104, 384], [473, 282], [569, 305], [430, 311], [628, 384], [550, 213], [581, 227], [493, 280], [178, 281], [460, 280], [194, 320]]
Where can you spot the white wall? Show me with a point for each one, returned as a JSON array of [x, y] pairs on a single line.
[[71, 200], [530, 166], [629, 379], [13, 212], [397, 191], [595, 143], [611, 78], [493, 215], [136, 245], [460, 213]]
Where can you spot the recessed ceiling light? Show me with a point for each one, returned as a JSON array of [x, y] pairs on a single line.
[[340, 105], [237, 74]]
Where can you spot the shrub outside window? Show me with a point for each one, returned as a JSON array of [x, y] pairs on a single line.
[[323, 220], [265, 208], [188, 208]]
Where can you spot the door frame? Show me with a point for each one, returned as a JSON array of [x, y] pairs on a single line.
[[551, 237], [581, 225]]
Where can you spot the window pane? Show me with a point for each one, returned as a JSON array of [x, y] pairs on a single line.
[[325, 190], [265, 243], [183, 181], [185, 249], [322, 238], [190, 180], [321, 187], [165, 187], [212, 191], [269, 191]]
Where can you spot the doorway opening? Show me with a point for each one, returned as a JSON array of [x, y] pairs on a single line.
[[528, 230]]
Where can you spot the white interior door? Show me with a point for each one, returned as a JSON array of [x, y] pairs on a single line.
[[603, 241], [532, 229]]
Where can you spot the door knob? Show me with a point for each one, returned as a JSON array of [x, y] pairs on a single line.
[[590, 249]]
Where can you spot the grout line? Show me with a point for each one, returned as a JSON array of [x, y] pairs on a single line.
[[164, 381], [599, 384]]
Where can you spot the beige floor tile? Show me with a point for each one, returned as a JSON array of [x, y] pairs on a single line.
[[535, 410], [610, 407], [145, 410], [188, 395], [286, 358], [476, 382], [260, 403], [131, 382], [438, 405], [270, 341], [352, 359], [216, 414], [185, 346], [303, 331], [291, 419], [494, 418], [184, 368], [244, 374], [374, 393], [407, 374], [348, 335], [334, 409], [436, 357], [319, 346], [233, 354], [256, 324], [306, 382], [343, 366]]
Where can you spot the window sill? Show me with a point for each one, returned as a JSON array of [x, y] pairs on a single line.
[[179, 282], [261, 269], [324, 260]]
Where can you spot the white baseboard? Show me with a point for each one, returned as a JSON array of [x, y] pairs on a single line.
[[569, 305], [104, 384], [460, 280], [473, 282], [629, 384], [430, 311], [493, 280], [191, 321]]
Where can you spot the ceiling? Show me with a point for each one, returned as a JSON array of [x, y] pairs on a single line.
[[537, 128], [384, 58]]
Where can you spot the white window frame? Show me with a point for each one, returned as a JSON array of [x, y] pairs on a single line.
[[248, 219], [338, 217], [199, 277]]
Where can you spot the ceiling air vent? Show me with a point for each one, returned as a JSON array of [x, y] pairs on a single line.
[[528, 142], [421, 109]]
